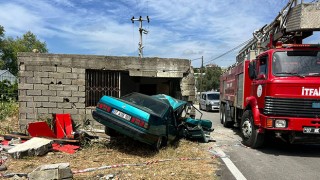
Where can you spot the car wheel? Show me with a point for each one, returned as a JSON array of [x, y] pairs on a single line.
[[221, 114], [207, 108], [110, 132], [249, 132], [158, 144]]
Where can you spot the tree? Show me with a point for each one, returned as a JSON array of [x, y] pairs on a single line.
[[211, 79], [10, 47], [1, 45]]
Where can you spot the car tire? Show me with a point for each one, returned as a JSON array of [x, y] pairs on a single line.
[[157, 146], [207, 108], [249, 132], [110, 132], [221, 113]]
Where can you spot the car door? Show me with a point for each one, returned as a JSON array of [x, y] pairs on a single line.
[[203, 101], [172, 127]]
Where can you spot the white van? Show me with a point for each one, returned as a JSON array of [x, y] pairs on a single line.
[[209, 101]]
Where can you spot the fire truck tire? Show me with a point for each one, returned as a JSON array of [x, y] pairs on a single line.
[[225, 123], [250, 136], [221, 114]]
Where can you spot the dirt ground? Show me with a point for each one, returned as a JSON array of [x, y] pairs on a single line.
[[135, 160]]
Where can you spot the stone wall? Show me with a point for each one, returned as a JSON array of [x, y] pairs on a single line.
[[55, 83]]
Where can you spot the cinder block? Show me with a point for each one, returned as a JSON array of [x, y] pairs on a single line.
[[41, 98], [64, 81], [49, 80], [26, 110], [25, 86], [55, 99], [25, 73], [79, 105], [32, 104], [49, 104], [22, 67], [49, 68], [52, 171], [23, 116], [43, 110], [78, 94], [63, 69], [80, 82], [49, 93], [70, 111], [34, 80], [82, 88], [70, 75], [55, 111], [23, 104], [79, 70], [33, 92], [41, 87], [72, 99], [25, 98], [41, 74], [32, 116], [71, 88], [22, 80], [64, 105], [22, 92], [82, 100], [33, 68], [82, 111], [55, 87], [64, 93], [81, 76], [55, 75]]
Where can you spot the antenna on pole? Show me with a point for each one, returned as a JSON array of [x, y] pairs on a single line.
[[141, 30]]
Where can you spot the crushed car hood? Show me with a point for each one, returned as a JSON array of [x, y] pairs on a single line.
[[174, 103]]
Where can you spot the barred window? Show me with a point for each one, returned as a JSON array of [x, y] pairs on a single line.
[[100, 83]]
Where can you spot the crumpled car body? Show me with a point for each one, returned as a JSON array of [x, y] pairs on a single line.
[[154, 120]]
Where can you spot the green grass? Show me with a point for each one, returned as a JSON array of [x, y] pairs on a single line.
[[8, 109]]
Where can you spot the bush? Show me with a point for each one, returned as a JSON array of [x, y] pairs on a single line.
[[8, 109]]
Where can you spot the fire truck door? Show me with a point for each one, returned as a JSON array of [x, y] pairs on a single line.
[[259, 83]]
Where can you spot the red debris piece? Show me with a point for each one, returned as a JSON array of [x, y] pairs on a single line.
[[68, 148], [40, 129], [63, 126]]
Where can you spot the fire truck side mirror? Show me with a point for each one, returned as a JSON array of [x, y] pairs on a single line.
[[252, 70]]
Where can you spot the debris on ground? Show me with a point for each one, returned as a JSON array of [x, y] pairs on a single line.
[[33, 147], [51, 171]]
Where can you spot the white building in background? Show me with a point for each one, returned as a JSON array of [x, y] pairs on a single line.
[[6, 75]]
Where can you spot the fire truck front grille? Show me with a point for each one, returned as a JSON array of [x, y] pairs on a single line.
[[292, 107]]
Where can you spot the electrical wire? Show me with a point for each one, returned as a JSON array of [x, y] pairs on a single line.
[[229, 51]]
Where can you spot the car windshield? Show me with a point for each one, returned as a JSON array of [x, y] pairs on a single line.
[[296, 63], [213, 96], [146, 103]]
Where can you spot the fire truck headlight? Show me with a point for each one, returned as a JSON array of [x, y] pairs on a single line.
[[280, 123]]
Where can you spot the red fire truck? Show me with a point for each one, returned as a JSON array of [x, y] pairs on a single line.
[[274, 86]]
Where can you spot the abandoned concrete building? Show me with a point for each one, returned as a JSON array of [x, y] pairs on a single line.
[[62, 83]]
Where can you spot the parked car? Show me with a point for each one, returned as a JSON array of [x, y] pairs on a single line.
[[209, 101], [155, 120]]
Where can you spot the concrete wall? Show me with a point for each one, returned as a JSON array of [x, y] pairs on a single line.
[[55, 83]]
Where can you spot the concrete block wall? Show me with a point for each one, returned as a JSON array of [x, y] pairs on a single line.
[[44, 90], [55, 83]]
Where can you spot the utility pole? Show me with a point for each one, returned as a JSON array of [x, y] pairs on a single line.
[[200, 87], [141, 30]]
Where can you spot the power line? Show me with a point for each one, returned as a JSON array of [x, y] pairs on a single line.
[[240, 45]]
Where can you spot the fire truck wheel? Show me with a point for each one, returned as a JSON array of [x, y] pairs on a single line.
[[225, 123], [221, 114], [250, 136]]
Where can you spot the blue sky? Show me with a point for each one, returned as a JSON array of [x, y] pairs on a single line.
[[186, 29]]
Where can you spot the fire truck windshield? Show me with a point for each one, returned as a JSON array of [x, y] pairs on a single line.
[[296, 63]]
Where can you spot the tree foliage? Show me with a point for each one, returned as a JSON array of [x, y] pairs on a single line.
[[210, 80], [9, 47]]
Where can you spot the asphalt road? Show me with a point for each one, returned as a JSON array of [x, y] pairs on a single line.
[[276, 161]]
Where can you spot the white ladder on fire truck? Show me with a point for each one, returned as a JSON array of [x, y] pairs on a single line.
[[294, 22]]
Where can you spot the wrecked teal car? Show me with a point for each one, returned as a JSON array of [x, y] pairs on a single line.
[[155, 120]]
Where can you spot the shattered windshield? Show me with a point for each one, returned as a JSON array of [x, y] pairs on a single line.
[[146, 103], [296, 63]]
